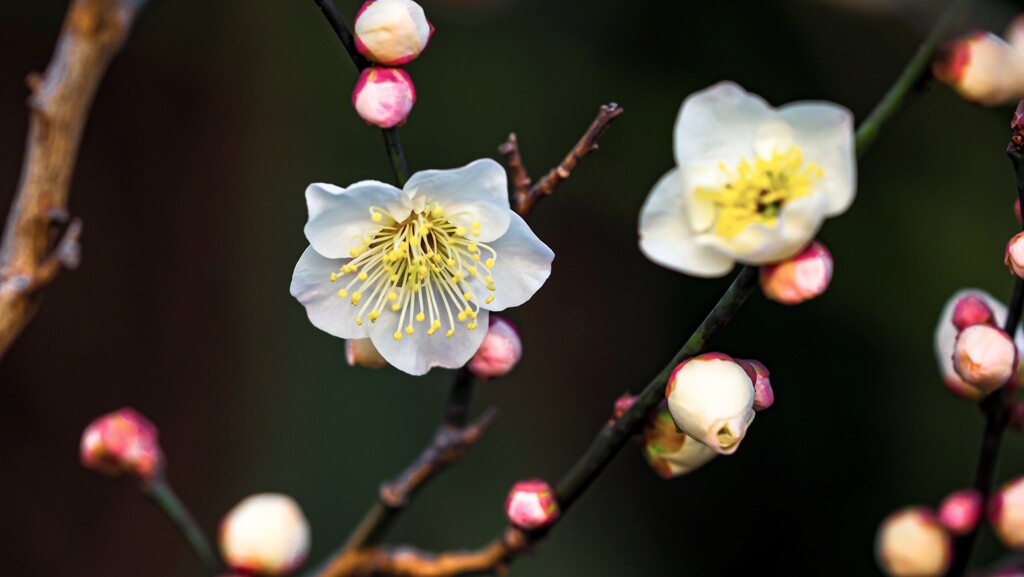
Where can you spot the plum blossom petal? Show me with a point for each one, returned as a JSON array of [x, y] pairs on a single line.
[[477, 192]]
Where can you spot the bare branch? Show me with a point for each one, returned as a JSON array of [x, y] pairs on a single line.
[[93, 33]]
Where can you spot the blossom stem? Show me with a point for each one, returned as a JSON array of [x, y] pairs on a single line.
[[911, 80], [392, 141], [161, 493], [996, 415], [612, 438]]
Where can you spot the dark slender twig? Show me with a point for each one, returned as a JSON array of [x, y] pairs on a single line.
[[996, 415], [93, 33], [162, 494], [526, 196]]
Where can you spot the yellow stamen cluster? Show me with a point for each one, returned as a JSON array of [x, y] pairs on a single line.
[[756, 192], [419, 270]]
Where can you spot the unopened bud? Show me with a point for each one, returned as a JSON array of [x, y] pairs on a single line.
[[971, 310], [711, 399], [1016, 203], [361, 352], [669, 452], [982, 68], [800, 278], [392, 32], [531, 505], [122, 443], [960, 511], [764, 396], [985, 357], [499, 353], [1006, 513], [912, 543], [945, 339], [1014, 258], [265, 534], [622, 404], [384, 96]]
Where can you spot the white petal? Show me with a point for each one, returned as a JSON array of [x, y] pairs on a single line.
[[477, 192], [714, 125], [824, 131], [339, 218], [757, 244], [312, 286], [665, 235], [522, 266], [416, 354], [773, 136]]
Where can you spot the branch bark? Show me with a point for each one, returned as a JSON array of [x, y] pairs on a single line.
[[526, 194], [93, 33]]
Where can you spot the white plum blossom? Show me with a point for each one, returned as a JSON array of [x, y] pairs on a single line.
[[417, 269], [753, 184]]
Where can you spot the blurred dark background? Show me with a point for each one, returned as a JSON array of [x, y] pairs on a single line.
[[190, 182]]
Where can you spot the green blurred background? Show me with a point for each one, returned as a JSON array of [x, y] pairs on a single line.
[[190, 182]]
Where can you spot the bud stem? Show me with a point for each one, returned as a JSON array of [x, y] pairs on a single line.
[[161, 493]]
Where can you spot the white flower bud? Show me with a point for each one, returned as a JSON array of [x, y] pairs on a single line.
[[384, 97], [985, 357], [1006, 513], [983, 68], [265, 534], [912, 543], [362, 352], [669, 452], [711, 399], [392, 32], [1015, 254]]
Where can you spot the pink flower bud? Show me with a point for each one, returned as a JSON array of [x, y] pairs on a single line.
[[1006, 513], [1016, 203], [971, 310], [669, 452], [764, 396], [622, 404], [982, 68], [1015, 255], [985, 357], [711, 399], [500, 351], [531, 505], [265, 534], [960, 511], [384, 96], [361, 352], [912, 543], [800, 278], [122, 443], [392, 32]]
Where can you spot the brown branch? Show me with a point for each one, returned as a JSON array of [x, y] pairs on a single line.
[[93, 32], [525, 195]]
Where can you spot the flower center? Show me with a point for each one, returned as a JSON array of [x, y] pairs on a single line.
[[418, 269], [756, 193]]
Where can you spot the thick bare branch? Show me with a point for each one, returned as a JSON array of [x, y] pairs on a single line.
[[93, 32]]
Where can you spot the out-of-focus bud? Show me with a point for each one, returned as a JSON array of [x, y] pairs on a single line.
[[361, 352], [960, 511], [1017, 124], [945, 339], [384, 96], [500, 351], [265, 534], [764, 396], [912, 543], [982, 68], [122, 443], [1006, 513], [392, 32], [985, 357], [800, 278], [622, 404], [969, 311], [531, 505], [1014, 258], [1016, 203], [711, 399], [669, 452]]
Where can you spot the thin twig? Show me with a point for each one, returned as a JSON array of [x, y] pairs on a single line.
[[526, 196], [93, 33], [996, 414], [165, 497]]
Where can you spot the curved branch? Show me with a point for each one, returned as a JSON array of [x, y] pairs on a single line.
[[93, 33]]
